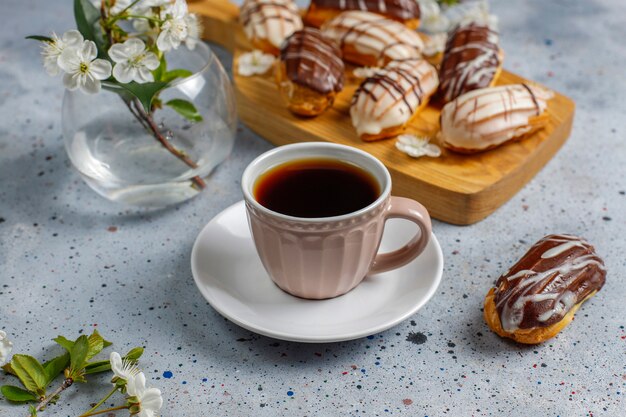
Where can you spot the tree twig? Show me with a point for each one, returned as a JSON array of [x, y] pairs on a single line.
[[67, 382], [199, 182]]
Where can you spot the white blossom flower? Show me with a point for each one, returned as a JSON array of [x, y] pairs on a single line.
[[194, 30], [83, 69], [431, 18], [415, 146], [5, 347], [133, 62], [148, 400], [53, 50], [122, 368], [435, 44], [174, 30], [255, 62], [365, 72]]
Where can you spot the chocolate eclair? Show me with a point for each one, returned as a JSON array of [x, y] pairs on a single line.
[[310, 72], [267, 23], [371, 40], [489, 117], [539, 295], [385, 102], [472, 59], [404, 11]]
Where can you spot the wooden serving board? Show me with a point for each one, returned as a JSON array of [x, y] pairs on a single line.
[[459, 189]]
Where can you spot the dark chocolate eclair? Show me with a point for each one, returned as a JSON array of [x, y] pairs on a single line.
[[313, 61], [471, 60], [555, 274], [395, 9]]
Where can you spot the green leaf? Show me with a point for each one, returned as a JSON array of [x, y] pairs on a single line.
[[86, 16], [7, 368], [17, 394], [78, 356], [144, 92], [56, 366], [96, 344], [170, 76], [161, 69], [97, 367], [103, 366], [134, 354], [30, 372], [67, 344], [186, 109], [40, 38], [32, 410]]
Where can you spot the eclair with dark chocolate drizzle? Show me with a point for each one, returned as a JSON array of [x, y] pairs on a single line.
[[539, 295], [472, 59], [267, 23], [372, 40], [406, 12], [310, 72], [386, 102]]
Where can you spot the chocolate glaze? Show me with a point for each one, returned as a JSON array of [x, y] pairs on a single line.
[[555, 274], [395, 9], [313, 61], [470, 60]]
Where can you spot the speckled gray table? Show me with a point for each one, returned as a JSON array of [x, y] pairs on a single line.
[[71, 261]]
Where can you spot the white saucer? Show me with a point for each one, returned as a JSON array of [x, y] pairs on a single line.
[[229, 274]]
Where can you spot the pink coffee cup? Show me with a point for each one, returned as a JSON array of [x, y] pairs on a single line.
[[326, 257]]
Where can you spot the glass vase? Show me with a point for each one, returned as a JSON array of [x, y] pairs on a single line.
[[161, 161]]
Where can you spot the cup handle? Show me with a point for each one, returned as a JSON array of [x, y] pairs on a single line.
[[404, 208]]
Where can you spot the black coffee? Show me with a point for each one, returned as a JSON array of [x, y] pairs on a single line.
[[316, 188]]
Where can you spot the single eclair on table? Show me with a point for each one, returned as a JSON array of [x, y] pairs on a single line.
[[267, 23], [405, 11], [310, 72], [385, 102], [486, 118], [472, 59], [539, 295], [371, 40]]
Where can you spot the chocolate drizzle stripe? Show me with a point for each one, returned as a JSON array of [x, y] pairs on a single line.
[[376, 101], [532, 95], [313, 61], [556, 273], [397, 9], [471, 59]]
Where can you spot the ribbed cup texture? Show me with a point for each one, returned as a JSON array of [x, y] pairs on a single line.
[[321, 259]]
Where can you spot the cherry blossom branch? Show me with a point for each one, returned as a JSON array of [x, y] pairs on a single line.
[[67, 382], [147, 118]]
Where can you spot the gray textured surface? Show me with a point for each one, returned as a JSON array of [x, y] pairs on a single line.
[[62, 271]]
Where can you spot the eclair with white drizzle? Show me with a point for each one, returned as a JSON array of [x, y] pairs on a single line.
[[405, 11], [371, 40], [386, 102], [267, 23], [472, 59], [489, 117], [310, 72], [539, 295]]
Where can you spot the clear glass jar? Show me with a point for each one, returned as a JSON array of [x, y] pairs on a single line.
[[125, 160]]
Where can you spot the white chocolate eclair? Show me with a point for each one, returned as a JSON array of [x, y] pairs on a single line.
[[488, 117], [385, 102], [371, 40], [267, 23]]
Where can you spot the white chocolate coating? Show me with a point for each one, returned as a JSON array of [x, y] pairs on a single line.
[[392, 95], [373, 35], [271, 20], [489, 117]]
